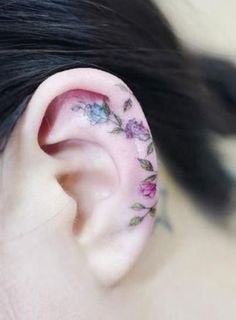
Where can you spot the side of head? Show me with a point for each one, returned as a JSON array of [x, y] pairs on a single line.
[[80, 81]]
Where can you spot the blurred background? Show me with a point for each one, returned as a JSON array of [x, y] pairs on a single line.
[[209, 27], [204, 25]]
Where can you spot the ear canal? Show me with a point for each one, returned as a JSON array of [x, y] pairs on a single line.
[[106, 123]]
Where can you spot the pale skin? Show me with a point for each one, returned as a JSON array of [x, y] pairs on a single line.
[[51, 270]]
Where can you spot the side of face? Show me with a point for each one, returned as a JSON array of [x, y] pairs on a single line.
[[79, 192]]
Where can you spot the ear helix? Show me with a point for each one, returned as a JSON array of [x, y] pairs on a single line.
[[117, 123], [99, 112]]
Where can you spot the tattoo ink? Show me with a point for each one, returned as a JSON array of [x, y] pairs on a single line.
[[99, 113]]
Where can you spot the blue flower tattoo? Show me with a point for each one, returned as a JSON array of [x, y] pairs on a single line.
[[97, 113]]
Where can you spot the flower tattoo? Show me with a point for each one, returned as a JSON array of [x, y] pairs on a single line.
[[148, 189], [135, 129], [99, 113]]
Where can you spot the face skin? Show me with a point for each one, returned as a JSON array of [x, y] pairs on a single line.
[[78, 233]]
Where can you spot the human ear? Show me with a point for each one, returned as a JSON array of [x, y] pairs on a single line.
[[84, 131]]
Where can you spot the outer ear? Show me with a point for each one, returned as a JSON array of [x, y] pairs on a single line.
[[96, 134]]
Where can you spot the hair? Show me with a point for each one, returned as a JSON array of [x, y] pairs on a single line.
[[184, 97]]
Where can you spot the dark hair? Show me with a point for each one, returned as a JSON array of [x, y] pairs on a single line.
[[132, 40]]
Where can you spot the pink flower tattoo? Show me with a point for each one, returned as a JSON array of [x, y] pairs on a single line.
[[148, 189]]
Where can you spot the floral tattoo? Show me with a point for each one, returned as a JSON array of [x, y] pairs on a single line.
[[100, 113]]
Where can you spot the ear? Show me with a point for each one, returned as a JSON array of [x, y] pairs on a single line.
[[85, 130]]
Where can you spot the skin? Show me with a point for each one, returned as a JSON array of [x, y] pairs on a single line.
[[184, 270]]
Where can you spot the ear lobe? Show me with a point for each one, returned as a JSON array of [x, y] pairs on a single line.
[[96, 130]]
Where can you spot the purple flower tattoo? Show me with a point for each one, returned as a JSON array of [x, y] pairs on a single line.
[[135, 129]]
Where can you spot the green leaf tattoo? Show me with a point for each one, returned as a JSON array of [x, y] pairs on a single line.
[[138, 206], [150, 148], [117, 130], [151, 178], [152, 212], [118, 119], [128, 105], [146, 164], [106, 107], [135, 221]]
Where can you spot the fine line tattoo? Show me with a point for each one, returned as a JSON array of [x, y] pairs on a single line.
[[98, 113]]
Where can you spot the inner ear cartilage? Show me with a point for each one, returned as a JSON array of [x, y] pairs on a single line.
[[99, 112]]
